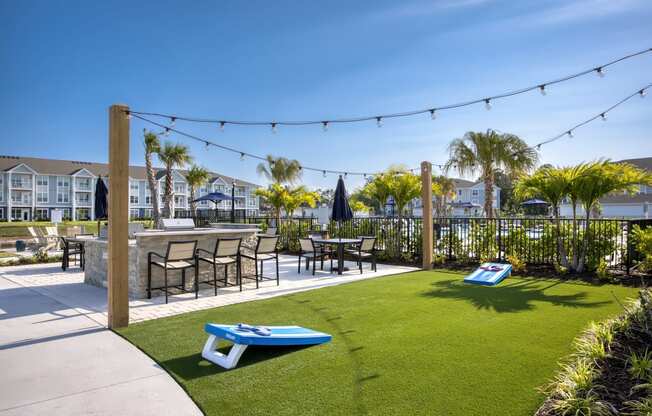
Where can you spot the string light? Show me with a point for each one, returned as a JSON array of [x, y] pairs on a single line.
[[433, 115], [599, 70], [173, 121], [639, 92], [604, 117], [642, 93], [273, 128], [222, 126], [487, 104], [542, 90], [208, 145], [379, 122], [324, 125], [167, 132], [346, 174], [242, 156]]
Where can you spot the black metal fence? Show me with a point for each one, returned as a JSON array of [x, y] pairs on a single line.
[[531, 240]]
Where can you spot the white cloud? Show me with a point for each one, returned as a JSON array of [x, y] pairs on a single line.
[[584, 10], [407, 10]]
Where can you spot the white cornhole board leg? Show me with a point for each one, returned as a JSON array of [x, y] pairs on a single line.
[[229, 361]]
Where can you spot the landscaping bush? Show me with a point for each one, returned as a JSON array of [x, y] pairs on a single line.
[[610, 372], [643, 245]]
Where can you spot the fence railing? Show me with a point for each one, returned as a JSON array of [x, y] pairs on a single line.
[[531, 240]]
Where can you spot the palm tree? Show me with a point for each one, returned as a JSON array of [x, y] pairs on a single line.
[[172, 155], [598, 180], [280, 170], [403, 187], [488, 152], [552, 184], [378, 190], [296, 197], [152, 145], [444, 193], [275, 195], [196, 177]]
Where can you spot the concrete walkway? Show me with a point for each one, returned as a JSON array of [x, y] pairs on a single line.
[[56, 360]]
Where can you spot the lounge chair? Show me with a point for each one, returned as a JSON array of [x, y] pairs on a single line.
[[242, 336]]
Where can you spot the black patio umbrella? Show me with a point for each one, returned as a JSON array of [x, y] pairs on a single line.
[[213, 197], [341, 208], [101, 203], [534, 202]]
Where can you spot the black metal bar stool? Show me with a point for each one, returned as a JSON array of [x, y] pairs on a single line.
[[265, 250], [180, 255], [226, 252]]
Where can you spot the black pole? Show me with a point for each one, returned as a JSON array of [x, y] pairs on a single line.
[[233, 202]]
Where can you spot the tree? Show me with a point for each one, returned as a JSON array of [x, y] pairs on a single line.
[[598, 180], [552, 184], [196, 177], [326, 196], [152, 145], [403, 186], [444, 193], [280, 170], [377, 190], [357, 205], [296, 197], [275, 196], [172, 156], [486, 153]]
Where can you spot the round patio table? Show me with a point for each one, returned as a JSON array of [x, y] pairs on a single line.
[[340, 243]]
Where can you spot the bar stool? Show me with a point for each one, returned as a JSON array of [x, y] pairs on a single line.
[[226, 252], [180, 255], [265, 250], [71, 249]]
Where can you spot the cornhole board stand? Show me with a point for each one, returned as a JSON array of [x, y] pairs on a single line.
[[280, 336], [489, 274]]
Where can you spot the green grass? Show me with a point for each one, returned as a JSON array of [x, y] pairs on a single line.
[[417, 343], [19, 228]]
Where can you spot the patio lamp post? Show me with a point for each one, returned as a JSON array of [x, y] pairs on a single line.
[[233, 201]]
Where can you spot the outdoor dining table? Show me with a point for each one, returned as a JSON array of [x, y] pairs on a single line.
[[340, 243]]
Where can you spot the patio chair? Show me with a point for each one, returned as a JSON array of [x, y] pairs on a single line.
[[366, 249], [38, 241], [226, 252], [72, 250], [265, 250], [310, 251], [180, 255]]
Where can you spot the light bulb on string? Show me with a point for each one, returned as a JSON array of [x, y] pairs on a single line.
[[222, 126], [346, 174], [379, 122], [173, 121], [274, 128], [433, 115], [642, 93], [542, 89], [242, 156], [324, 173], [167, 132], [207, 144], [538, 147], [324, 126], [570, 133], [599, 71], [603, 116], [128, 113], [487, 104]]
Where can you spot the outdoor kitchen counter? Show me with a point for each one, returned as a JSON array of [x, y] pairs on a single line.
[[96, 257]]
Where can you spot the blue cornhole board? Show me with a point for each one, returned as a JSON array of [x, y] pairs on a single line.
[[489, 274], [279, 336]]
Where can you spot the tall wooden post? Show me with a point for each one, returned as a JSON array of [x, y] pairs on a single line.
[[426, 203], [118, 266]]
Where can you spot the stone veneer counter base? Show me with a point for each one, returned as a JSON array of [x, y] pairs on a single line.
[[96, 256]]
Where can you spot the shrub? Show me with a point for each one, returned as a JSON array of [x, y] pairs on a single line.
[[601, 271], [518, 265], [643, 244], [640, 365]]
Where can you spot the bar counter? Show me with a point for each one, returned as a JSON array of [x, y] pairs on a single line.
[[96, 257]]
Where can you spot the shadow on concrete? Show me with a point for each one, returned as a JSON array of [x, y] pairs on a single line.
[[33, 341], [512, 297]]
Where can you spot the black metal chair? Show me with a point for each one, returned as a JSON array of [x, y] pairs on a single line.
[[265, 250], [82, 246], [309, 250], [226, 252], [180, 255], [366, 249], [71, 249]]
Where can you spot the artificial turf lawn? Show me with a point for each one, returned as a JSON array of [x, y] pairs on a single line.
[[416, 343]]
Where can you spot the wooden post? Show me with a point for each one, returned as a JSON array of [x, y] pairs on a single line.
[[426, 204], [118, 266]]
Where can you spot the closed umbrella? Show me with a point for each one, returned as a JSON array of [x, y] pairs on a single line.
[[101, 202], [341, 212]]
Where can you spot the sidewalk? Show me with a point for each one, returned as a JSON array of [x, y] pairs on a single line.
[[56, 360]]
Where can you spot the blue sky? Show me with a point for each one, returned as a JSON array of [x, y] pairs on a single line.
[[63, 63]]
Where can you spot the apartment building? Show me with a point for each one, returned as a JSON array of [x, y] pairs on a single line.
[[30, 188], [468, 202]]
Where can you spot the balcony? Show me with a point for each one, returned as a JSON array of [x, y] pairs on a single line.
[[24, 200], [83, 202], [21, 184]]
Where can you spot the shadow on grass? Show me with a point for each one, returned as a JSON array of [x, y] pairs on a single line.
[[511, 297], [194, 366]]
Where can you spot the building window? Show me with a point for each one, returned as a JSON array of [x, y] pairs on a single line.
[[83, 198], [2, 214], [42, 214], [42, 188], [148, 196], [179, 188], [179, 200], [2, 188], [474, 192], [219, 188], [133, 193], [251, 202], [83, 214], [459, 192], [63, 190], [84, 184]]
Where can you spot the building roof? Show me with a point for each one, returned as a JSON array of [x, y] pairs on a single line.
[[462, 183], [627, 199], [643, 162], [69, 167]]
